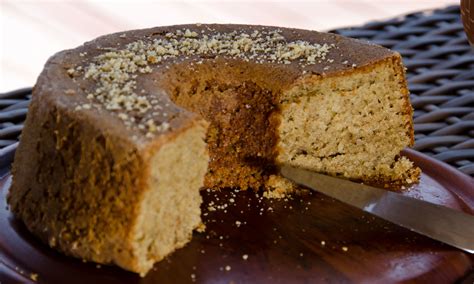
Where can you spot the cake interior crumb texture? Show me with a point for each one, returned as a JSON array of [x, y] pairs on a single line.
[[242, 134], [171, 206], [352, 125]]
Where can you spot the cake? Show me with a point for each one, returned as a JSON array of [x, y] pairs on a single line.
[[123, 131]]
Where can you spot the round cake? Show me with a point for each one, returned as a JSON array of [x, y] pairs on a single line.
[[123, 131]]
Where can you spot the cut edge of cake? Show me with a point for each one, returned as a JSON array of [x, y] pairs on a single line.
[[351, 124], [107, 203], [174, 179]]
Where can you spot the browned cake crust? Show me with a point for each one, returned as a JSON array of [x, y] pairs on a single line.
[[81, 167]]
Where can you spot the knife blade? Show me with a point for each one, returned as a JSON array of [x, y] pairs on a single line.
[[440, 223]]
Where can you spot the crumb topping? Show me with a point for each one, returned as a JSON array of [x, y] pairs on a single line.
[[115, 71]]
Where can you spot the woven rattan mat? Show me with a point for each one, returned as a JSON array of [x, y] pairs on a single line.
[[440, 74]]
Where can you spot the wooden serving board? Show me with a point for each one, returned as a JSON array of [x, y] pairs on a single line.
[[250, 239]]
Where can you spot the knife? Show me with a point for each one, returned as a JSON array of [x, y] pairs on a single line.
[[440, 223]]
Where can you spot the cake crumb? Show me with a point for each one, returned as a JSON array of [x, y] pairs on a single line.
[[345, 248], [201, 228], [323, 243], [278, 187], [34, 276]]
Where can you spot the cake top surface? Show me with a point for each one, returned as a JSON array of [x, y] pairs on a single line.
[[108, 69]]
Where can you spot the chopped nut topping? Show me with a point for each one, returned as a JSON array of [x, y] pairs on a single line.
[[71, 71], [115, 70]]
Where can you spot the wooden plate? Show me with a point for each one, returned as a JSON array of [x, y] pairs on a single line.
[[255, 240]]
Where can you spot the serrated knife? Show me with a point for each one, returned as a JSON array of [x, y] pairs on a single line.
[[440, 223]]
